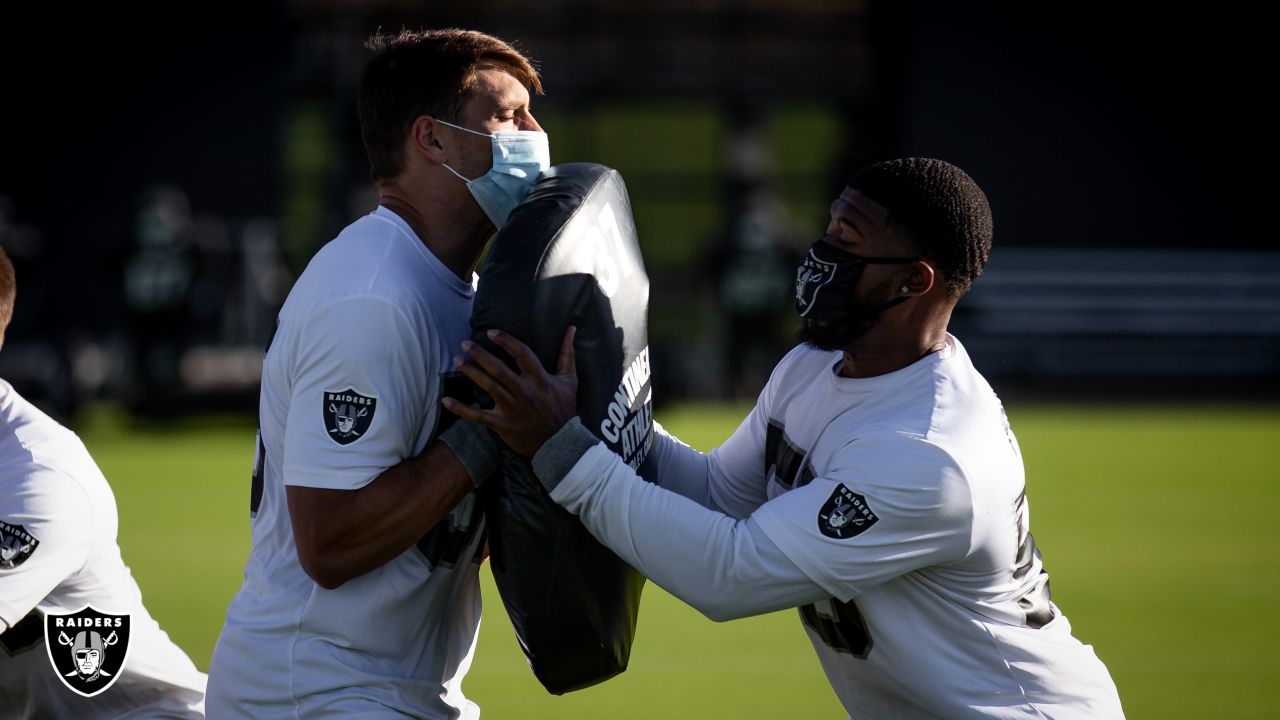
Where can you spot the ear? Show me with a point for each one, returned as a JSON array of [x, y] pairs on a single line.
[[922, 279], [427, 139]]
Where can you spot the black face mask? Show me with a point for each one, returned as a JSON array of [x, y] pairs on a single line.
[[825, 279]]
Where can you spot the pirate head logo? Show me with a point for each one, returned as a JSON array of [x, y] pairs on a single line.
[[16, 545], [811, 276], [347, 415], [845, 514], [88, 648]]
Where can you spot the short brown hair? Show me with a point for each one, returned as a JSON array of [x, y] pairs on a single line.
[[8, 290], [425, 72]]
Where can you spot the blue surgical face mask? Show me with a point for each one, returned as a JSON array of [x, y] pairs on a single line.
[[519, 157]]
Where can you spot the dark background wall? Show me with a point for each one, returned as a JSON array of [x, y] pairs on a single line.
[[1097, 124], [1091, 126]]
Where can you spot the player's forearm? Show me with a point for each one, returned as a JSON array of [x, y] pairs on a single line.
[[342, 534], [677, 467], [723, 567]]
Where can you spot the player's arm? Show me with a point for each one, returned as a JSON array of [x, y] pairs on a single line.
[[676, 466], [730, 478], [356, 502], [342, 534], [50, 536], [778, 557], [724, 567], [789, 552]]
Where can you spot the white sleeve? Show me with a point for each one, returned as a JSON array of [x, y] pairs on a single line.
[[729, 479], [677, 467], [366, 346], [737, 468], [54, 511], [723, 567], [739, 471], [884, 509]]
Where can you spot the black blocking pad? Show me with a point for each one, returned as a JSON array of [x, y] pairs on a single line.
[[569, 255]]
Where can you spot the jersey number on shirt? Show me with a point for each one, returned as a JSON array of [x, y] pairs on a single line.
[[783, 461], [839, 625], [255, 486], [1035, 603], [443, 546], [260, 452]]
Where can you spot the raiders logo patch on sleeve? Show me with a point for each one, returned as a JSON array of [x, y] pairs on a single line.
[[845, 514], [16, 545], [348, 415]]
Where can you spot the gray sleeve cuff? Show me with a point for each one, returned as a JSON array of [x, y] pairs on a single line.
[[561, 452], [474, 447]]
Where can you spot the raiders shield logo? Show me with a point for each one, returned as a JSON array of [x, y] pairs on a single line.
[[845, 514], [87, 648], [16, 545], [347, 415], [810, 277]]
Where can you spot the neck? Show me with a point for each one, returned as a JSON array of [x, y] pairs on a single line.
[[888, 347], [452, 228]]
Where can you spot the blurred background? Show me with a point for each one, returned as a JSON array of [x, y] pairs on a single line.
[[164, 180], [167, 171]]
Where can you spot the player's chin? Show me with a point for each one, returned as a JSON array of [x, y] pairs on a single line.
[[827, 335]]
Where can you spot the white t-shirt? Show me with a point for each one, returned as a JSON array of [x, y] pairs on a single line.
[[891, 511], [53, 492], [350, 387]]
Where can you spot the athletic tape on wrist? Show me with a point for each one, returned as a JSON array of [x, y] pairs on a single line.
[[561, 452], [475, 449]]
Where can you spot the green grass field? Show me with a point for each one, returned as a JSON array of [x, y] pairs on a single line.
[[1155, 524]]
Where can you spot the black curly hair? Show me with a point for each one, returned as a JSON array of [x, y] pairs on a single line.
[[939, 209]]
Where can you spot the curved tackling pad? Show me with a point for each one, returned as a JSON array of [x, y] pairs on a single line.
[[569, 256]]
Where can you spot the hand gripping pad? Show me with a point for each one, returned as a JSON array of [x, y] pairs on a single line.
[[569, 255]]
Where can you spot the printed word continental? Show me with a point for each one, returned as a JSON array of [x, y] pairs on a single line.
[[633, 381]]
